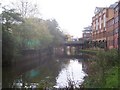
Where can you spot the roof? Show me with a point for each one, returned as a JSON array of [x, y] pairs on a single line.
[[98, 10], [89, 28], [113, 5]]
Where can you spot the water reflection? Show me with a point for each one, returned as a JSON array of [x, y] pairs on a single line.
[[53, 72], [32, 73], [71, 74]]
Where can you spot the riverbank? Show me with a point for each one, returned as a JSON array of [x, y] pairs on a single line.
[[102, 69]]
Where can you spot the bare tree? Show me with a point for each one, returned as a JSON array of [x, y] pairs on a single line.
[[25, 8]]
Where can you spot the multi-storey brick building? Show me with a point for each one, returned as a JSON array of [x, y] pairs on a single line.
[[112, 30], [119, 26], [105, 26], [116, 26]]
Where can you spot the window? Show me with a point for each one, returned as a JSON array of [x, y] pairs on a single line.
[[85, 35], [104, 20], [97, 24], [100, 23], [107, 14], [110, 23], [102, 17], [94, 25], [116, 9], [116, 19], [115, 31], [110, 33]]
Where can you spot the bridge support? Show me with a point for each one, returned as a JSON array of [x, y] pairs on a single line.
[[65, 50], [71, 50]]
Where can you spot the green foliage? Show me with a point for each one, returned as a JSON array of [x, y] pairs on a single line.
[[20, 33], [89, 51], [33, 34], [8, 47], [103, 70], [111, 57], [112, 78], [9, 18], [27, 33], [58, 36], [36, 33]]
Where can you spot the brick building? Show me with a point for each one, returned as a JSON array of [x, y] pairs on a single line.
[[105, 26], [112, 28], [119, 27], [116, 26]]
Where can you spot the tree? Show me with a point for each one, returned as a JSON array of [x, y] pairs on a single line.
[[25, 8], [58, 36], [33, 34], [9, 18]]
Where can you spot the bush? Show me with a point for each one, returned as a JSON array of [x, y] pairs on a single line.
[[103, 71]]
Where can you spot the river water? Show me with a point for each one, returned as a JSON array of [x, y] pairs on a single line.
[[53, 73], [70, 74]]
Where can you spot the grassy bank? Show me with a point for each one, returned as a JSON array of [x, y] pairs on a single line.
[[102, 69]]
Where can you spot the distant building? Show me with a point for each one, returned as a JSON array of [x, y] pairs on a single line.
[[68, 37], [87, 34]]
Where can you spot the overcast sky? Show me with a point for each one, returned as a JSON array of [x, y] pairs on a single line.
[[71, 15]]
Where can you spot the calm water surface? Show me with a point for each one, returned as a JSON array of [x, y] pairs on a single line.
[[71, 73], [57, 73]]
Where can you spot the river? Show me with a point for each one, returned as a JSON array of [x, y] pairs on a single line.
[[53, 73], [70, 74]]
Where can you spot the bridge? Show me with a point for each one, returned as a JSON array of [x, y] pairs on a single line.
[[72, 47], [73, 43]]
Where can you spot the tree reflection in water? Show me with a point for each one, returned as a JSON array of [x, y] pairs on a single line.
[[52, 72], [70, 75]]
